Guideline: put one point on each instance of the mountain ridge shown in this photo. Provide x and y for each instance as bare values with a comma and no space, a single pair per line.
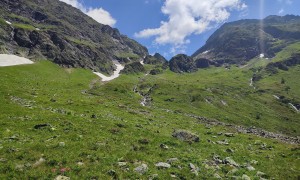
239,41
40,30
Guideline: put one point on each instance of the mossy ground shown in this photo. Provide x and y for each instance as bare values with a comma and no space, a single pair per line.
101,124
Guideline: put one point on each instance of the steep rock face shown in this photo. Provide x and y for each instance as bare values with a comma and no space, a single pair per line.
238,42
134,67
155,59
182,63
53,30
203,63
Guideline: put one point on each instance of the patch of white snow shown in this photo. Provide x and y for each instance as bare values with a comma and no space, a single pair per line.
205,52
8,22
12,60
276,97
294,107
261,55
115,74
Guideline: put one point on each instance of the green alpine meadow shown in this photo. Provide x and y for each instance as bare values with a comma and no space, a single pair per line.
83,101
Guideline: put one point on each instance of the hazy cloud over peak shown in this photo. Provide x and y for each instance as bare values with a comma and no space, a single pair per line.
98,14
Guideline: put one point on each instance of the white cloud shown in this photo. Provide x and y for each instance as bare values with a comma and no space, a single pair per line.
98,14
187,17
101,16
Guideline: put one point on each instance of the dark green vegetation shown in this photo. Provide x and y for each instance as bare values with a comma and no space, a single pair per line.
40,30
57,121
240,41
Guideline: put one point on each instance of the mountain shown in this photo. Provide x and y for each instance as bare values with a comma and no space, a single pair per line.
53,30
240,41
237,122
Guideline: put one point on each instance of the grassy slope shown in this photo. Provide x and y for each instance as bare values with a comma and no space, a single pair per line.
104,126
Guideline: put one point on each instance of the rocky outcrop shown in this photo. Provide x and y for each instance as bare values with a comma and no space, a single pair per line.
182,63
131,68
155,59
53,30
185,136
285,64
203,63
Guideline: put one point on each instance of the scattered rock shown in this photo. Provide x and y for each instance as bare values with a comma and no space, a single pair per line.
173,176
230,150
142,169
20,167
229,134
254,162
39,162
144,141
194,169
112,173
162,165
171,160
185,136
80,164
217,159
122,164
62,144
223,142
217,176
192,166
250,168
261,174
163,146
153,176
60,177
234,170
230,161
3,160
40,126
245,177
94,116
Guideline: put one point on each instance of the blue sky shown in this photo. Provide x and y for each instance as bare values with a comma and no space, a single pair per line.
170,27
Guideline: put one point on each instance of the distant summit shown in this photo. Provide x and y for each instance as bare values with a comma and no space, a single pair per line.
238,42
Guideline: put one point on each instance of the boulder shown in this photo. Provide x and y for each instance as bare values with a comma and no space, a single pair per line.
163,165
182,63
185,136
142,169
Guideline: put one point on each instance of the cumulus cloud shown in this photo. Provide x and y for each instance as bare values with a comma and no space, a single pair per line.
98,14
187,17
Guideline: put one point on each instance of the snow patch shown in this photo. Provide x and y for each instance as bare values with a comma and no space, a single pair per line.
261,55
251,82
205,52
115,74
8,22
276,97
294,107
12,60
142,62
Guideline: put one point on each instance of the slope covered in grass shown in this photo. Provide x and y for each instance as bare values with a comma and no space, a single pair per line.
57,121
